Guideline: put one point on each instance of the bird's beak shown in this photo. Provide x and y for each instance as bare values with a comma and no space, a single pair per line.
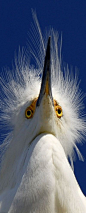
46,78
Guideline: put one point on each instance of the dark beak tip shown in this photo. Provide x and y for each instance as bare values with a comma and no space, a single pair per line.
46,78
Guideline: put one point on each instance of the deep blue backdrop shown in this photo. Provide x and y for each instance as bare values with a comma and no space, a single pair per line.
67,17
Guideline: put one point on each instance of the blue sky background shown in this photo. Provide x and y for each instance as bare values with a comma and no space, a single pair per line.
67,17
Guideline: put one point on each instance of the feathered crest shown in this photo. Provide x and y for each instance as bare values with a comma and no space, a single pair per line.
24,81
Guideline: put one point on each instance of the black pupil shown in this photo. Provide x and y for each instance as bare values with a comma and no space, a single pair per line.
28,112
59,111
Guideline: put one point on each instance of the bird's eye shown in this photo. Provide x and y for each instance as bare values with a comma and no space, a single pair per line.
29,112
58,110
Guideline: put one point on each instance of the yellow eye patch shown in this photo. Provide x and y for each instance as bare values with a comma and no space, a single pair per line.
29,112
58,109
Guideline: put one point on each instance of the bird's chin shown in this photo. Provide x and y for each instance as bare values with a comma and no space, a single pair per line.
41,134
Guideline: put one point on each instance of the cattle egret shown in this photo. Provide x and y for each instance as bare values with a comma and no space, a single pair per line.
41,108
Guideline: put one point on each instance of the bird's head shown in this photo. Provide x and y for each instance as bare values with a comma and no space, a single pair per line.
52,105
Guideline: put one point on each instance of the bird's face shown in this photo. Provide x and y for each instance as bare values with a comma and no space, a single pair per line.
44,118
44,113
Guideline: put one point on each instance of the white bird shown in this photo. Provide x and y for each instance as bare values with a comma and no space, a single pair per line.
44,122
